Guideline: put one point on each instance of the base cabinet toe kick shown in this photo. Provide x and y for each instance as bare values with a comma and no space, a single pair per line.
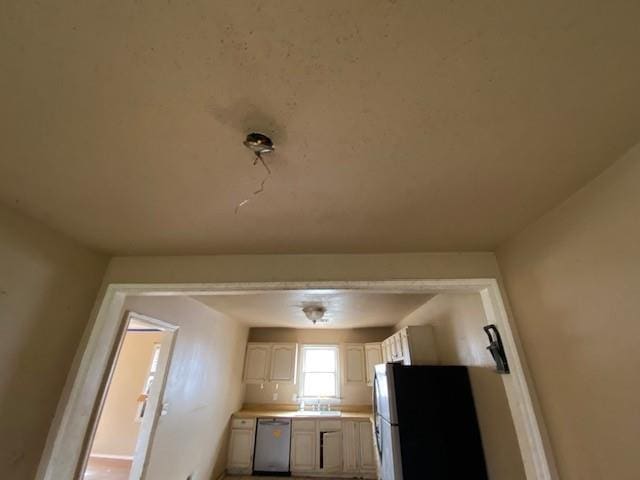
318,447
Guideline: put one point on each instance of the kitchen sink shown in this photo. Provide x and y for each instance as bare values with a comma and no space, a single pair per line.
318,413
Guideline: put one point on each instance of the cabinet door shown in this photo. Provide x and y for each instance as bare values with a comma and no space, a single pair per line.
397,346
404,342
355,370
240,450
373,356
393,352
283,362
331,451
350,446
386,351
367,458
256,362
303,451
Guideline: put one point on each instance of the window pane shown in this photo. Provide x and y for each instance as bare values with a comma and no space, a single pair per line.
156,357
317,360
319,385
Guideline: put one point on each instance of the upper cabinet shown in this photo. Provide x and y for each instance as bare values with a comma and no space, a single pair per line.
413,345
256,363
270,362
283,362
355,363
373,356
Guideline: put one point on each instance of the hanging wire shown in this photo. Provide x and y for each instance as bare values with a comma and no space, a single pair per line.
259,190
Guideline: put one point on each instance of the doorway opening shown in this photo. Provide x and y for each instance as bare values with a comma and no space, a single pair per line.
73,421
127,413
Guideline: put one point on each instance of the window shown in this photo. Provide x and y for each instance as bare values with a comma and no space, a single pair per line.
319,371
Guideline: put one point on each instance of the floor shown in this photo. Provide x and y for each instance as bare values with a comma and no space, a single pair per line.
107,469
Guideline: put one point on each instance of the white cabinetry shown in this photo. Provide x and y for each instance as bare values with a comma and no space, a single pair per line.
256,363
267,362
411,346
240,457
373,356
354,364
283,362
358,447
303,451
331,452
350,446
366,450
332,448
386,351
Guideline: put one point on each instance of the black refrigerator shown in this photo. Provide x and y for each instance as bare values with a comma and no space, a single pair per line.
426,425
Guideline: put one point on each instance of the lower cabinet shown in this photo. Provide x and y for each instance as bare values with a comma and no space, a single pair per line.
359,455
241,442
320,447
326,447
366,447
330,452
303,451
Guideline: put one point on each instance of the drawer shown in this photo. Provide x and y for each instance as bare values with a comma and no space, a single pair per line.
304,425
243,423
329,425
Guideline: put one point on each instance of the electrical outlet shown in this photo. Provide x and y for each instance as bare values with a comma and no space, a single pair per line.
275,395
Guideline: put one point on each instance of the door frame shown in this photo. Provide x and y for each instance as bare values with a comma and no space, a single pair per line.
69,428
152,411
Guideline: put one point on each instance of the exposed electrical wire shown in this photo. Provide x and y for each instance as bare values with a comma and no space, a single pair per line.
259,144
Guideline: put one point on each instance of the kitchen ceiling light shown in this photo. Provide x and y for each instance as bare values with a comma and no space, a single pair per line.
314,313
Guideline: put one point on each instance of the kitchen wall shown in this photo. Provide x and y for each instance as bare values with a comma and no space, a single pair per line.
203,389
457,321
573,279
351,394
48,284
118,429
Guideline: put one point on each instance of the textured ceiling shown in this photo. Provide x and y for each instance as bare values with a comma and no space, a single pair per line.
399,125
343,309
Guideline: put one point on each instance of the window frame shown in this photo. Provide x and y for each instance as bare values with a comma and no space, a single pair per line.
301,372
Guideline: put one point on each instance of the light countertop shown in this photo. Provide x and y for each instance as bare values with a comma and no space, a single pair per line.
294,414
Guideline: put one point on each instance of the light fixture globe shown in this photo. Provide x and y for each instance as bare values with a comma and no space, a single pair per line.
314,312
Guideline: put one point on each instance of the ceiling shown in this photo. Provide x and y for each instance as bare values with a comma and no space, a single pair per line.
343,309
399,125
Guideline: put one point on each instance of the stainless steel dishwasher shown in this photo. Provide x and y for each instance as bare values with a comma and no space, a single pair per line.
273,441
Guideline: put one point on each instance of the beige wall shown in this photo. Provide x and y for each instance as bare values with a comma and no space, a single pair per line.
203,389
48,284
351,394
457,321
278,268
118,429
573,279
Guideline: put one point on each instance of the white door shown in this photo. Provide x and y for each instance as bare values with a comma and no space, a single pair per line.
283,363
404,343
303,451
240,449
393,347
373,356
331,451
397,346
386,351
256,363
355,366
350,444
365,434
